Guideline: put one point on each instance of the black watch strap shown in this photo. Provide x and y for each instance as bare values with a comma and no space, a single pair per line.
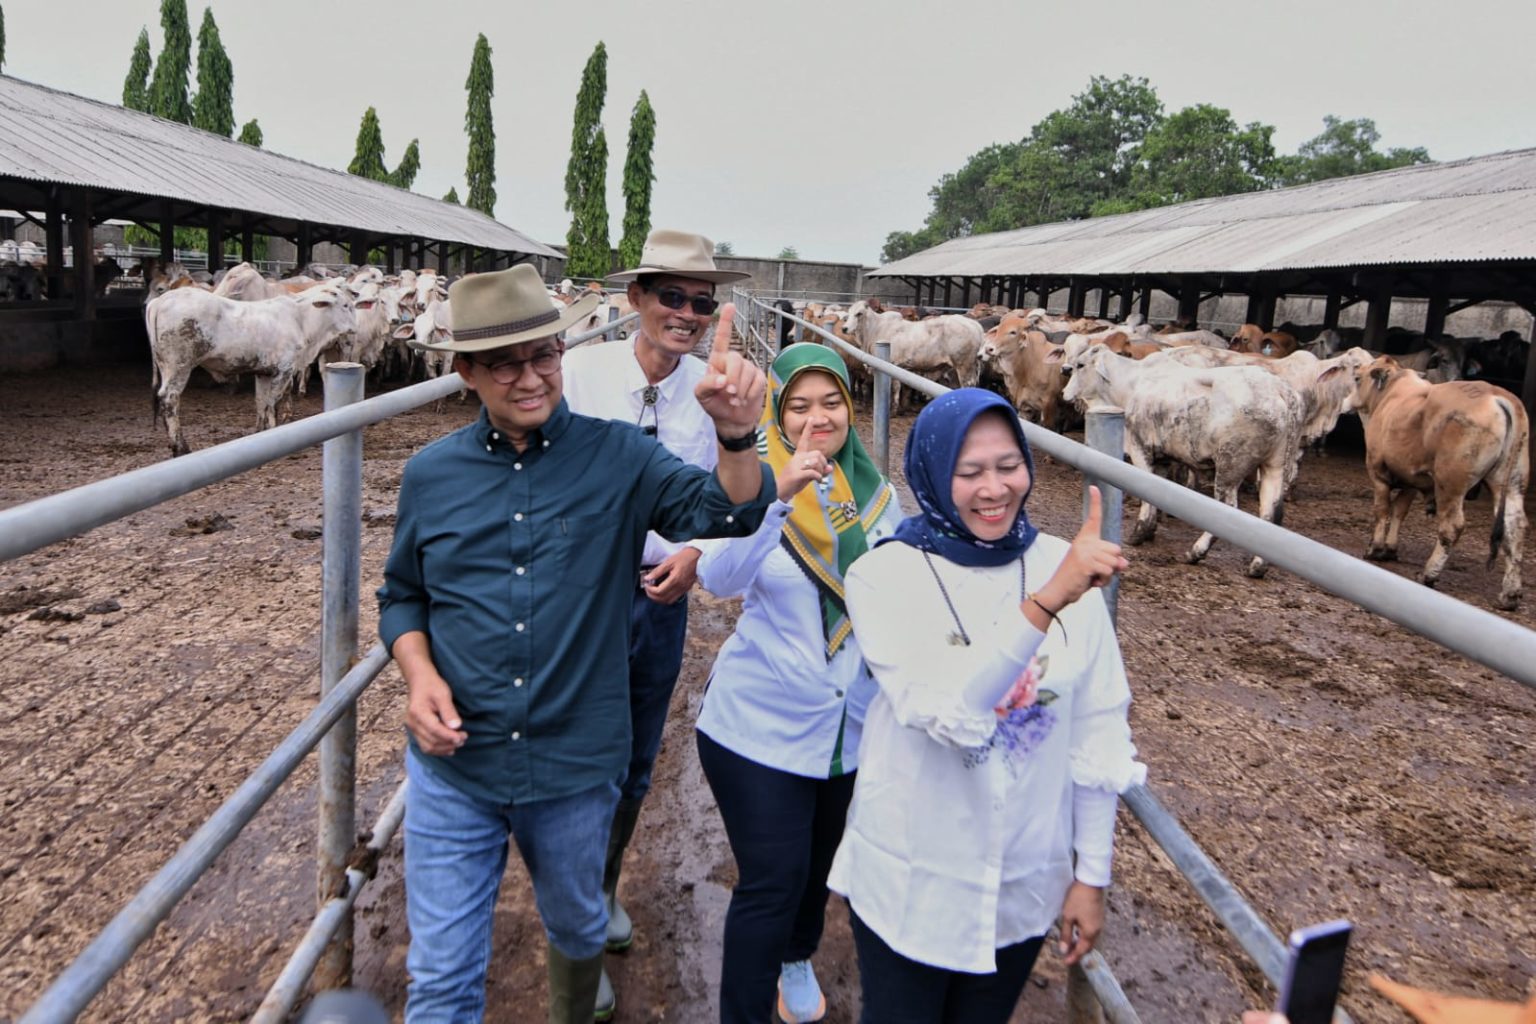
737,444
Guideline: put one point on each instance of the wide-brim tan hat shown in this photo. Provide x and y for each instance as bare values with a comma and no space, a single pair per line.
679,254
506,307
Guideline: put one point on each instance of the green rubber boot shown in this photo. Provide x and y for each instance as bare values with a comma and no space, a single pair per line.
573,988
621,930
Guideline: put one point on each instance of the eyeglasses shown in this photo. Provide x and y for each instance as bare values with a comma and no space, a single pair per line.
545,363
676,298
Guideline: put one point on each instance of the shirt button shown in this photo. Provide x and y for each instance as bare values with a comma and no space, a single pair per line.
730,519
521,570
519,627
546,444
517,516
495,436
839,693
518,681
517,735
517,465
490,448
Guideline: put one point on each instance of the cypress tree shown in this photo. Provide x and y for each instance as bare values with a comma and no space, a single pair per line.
168,90
452,196
368,158
250,134
587,252
638,175
410,163
214,108
136,85
480,173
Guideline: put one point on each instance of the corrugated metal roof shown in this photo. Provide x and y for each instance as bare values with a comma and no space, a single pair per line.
1481,209
58,137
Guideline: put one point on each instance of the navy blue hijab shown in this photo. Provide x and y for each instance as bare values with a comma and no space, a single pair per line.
933,448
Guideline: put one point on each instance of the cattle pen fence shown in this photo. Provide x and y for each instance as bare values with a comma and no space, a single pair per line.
344,869
344,866
1479,635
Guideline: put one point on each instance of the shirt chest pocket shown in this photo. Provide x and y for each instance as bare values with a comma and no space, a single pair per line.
583,548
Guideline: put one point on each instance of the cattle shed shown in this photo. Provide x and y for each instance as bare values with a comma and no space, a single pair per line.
77,162
1451,234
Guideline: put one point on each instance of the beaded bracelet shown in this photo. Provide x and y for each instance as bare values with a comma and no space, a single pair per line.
1052,615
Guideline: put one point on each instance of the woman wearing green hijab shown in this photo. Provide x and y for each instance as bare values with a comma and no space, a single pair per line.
779,731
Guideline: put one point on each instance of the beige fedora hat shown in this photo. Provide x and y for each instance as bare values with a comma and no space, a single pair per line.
680,254
504,308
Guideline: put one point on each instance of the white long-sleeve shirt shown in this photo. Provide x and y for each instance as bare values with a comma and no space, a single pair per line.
963,827
773,697
604,379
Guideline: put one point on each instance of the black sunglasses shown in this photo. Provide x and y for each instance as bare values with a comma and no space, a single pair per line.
676,298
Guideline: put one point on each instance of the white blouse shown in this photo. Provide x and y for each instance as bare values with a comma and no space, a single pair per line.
964,826
773,697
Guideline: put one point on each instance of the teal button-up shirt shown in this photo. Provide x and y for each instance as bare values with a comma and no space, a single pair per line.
520,568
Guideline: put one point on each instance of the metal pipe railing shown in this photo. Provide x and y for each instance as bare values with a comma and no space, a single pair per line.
286,991
89,973
340,575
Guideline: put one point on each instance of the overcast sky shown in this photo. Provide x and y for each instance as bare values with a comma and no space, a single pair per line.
814,123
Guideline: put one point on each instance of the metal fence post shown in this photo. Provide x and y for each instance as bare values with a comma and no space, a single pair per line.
341,573
1105,432
882,396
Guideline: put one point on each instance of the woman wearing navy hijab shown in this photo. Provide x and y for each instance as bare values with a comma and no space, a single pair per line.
994,752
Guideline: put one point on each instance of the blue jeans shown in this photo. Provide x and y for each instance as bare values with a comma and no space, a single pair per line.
656,633
901,991
455,856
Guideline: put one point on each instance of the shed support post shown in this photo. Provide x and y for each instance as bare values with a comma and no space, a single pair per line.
1434,313
357,251
965,292
1104,301
1376,317
1331,307
247,243
80,240
305,247
1144,304
389,258
949,284
53,241
1077,298
215,242
341,573
1043,295
167,235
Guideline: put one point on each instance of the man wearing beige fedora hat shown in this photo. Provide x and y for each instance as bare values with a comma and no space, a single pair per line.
506,604
650,379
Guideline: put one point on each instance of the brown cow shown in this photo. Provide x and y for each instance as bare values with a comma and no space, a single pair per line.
1254,340
1444,439
1031,369
1121,344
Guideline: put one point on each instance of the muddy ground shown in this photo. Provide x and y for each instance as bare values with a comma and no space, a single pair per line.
1329,762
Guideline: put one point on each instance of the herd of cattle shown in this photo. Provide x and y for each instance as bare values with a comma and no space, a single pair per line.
240,322
1228,409
1246,407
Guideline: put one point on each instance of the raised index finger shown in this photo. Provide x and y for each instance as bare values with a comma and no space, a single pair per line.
722,346
804,444
1093,525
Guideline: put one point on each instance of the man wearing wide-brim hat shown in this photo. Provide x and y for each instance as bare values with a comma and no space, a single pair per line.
650,379
506,604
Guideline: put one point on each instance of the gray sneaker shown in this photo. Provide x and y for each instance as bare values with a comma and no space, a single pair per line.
800,998
606,1001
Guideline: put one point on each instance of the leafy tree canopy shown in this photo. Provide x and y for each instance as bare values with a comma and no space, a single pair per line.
410,163
368,154
250,134
480,172
214,108
136,85
639,174
168,89
722,249
789,252
452,196
1343,148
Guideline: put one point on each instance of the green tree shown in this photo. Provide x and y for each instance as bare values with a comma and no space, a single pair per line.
480,172
639,173
1343,148
136,85
368,154
1194,154
586,175
214,108
168,89
410,163
250,134
789,252
721,249
452,196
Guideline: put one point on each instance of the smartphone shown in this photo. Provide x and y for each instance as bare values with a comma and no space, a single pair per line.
1313,973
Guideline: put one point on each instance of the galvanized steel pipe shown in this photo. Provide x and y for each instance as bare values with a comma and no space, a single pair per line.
45,521
341,574
881,392
1104,432
286,991
73,990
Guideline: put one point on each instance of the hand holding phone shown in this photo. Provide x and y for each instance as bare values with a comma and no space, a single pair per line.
1313,973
